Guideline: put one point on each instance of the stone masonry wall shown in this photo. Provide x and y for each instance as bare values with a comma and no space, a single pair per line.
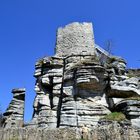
75,38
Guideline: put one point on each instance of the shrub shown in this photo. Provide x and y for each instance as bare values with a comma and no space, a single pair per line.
115,116
40,62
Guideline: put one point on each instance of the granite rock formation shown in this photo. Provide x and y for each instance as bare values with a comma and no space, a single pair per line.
78,87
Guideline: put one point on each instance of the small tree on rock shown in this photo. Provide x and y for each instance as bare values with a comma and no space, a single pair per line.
109,46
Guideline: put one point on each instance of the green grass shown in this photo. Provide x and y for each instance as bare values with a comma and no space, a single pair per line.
130,75
134,98
115,116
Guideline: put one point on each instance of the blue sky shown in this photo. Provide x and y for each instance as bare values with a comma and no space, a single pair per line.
28,32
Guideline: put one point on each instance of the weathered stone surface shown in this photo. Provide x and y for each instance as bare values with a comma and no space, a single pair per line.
125,88
76,39
39,134
48,88
131,108
77,85
14,115
105,130
83,92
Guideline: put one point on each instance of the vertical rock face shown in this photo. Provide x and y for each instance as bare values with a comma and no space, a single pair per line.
14,115
83,92
82,83
71,86
49,75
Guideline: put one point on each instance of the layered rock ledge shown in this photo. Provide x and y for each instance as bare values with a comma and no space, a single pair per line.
14,115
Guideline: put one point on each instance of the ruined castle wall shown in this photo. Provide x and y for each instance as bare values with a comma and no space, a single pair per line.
75,38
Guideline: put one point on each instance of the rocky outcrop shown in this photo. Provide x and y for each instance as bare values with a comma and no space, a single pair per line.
71,85
80,84
49,74
83,92
14,115
75,89
131,108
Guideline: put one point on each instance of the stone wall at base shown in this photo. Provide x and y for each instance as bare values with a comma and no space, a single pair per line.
105,130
